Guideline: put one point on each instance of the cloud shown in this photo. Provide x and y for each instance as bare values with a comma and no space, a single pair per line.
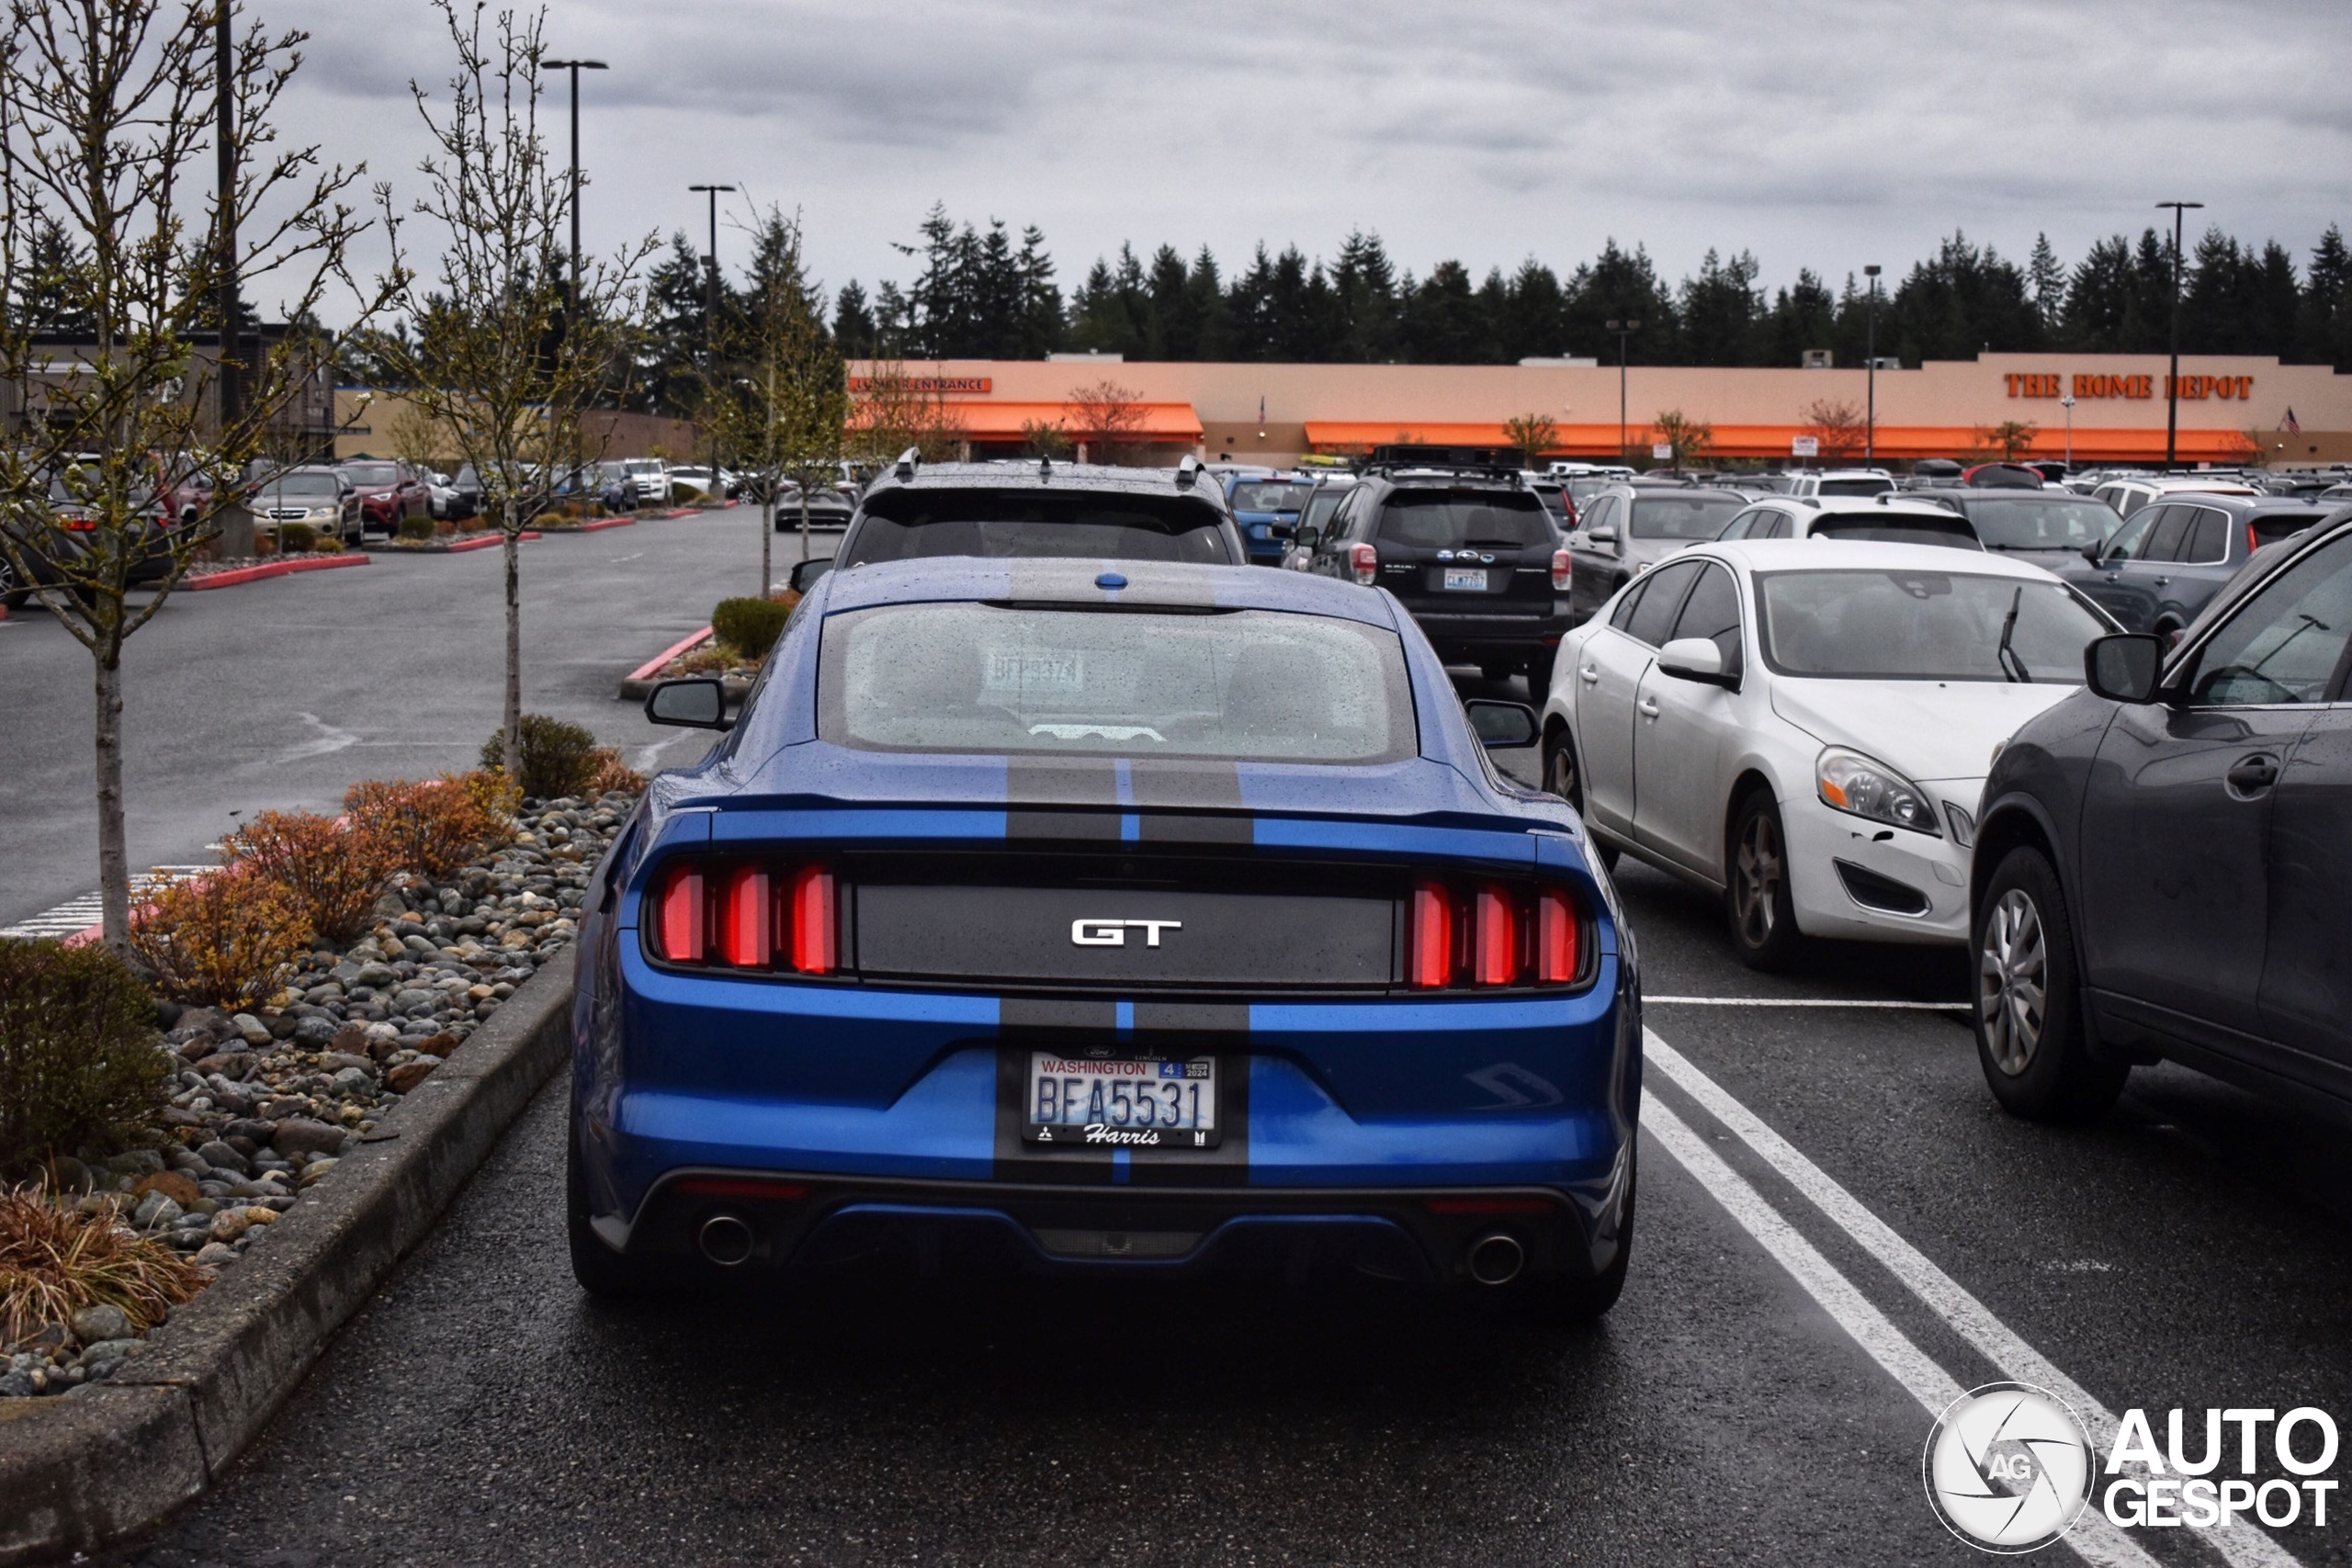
1814,132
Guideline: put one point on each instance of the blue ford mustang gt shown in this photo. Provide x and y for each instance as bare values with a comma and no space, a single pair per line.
1124,917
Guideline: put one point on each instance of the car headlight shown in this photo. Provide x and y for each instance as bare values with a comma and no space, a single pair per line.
1852,783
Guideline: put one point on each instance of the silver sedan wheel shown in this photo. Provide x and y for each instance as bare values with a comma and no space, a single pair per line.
2013,981
1756,880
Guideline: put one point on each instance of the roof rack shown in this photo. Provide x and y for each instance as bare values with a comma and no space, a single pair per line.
1483,462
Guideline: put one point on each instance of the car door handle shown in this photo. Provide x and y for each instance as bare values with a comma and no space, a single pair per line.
1589,675
2162,581
2252,775
1649,706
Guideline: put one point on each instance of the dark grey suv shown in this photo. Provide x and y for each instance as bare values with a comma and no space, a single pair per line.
2161,859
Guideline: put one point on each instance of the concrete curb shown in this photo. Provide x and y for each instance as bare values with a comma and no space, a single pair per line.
271,569
89,1468
479,541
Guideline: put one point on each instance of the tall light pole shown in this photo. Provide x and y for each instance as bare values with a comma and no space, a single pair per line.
710,329
575,67
2172,380
2068,402
1870,362
1624,330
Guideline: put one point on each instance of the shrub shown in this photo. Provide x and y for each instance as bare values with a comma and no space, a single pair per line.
557,757
224,940
295,538
434,826
265,545
417,527
332,876
55,1261
328,545
611,772
78,1059
750,627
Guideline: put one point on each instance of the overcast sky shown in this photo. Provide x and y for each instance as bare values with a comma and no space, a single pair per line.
1814,133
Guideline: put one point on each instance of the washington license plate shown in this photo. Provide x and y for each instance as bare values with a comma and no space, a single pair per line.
1475,579
1132,1103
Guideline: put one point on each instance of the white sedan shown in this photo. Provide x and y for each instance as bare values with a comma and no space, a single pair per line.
1806,725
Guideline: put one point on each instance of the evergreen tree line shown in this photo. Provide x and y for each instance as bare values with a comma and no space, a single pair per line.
980,294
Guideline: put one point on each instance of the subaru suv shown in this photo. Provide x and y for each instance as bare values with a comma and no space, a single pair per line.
1458,537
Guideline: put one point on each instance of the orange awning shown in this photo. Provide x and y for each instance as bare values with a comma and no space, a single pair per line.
1894,441
1156,424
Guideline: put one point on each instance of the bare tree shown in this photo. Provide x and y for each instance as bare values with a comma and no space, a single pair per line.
120,468
1105,419
893,407
1686,439
1533,435
1837,425
504,355
780,413
2007,441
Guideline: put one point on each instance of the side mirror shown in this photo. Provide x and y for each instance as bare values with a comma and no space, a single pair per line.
1500,726
1604,534
2090,554
1307,538
1695,658
2124,667
805,574
691,705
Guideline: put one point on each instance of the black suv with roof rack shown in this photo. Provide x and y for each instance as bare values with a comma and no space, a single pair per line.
1455,534
1037,508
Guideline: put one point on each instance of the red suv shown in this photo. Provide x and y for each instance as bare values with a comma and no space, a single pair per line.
389,492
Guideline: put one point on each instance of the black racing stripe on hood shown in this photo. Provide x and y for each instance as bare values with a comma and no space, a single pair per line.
1185,803
1040,796
1191,1019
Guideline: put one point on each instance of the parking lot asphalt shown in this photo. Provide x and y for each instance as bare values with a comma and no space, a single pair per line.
1836,1229
284,693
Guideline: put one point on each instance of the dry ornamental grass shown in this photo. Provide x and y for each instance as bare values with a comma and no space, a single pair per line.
54,1262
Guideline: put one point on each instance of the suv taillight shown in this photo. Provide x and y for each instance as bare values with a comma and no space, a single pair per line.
1493,935
1562,570
747,914
1365,561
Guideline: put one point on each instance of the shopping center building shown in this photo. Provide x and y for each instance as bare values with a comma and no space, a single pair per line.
2103,409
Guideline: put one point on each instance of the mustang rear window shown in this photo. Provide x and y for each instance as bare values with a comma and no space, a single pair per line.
920,523
1240,685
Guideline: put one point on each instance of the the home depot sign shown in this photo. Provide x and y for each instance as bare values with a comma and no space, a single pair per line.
2193,389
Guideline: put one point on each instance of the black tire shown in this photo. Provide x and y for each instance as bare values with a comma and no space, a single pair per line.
1756,903
1561,778
1492,671
2028,1018
601,1271
1539,676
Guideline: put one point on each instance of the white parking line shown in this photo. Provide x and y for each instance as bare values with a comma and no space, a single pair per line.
2093,1539
1802,1002
78,915
2242,1544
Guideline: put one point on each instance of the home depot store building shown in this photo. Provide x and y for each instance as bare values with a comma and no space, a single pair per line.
1275,413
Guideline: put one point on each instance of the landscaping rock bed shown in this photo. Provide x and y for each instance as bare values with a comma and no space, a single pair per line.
269,1101
443,544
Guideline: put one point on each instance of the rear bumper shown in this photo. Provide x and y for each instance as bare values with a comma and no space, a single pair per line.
1456,635
1420,1235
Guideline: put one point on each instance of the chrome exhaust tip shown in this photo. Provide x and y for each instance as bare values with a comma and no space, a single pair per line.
1495,1258
725,1240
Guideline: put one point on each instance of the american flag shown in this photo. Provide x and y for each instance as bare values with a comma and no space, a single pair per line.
2290,426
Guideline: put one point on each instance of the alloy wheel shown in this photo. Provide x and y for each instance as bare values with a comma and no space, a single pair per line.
2012,981
1560,774
1756,883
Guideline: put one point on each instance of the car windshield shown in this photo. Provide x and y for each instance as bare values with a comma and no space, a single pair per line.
1441,522
1279,495
1857,487
1922,626
1698,515
642,464
371,473
304,486
1321,505
911,523
1898,530
1253,684
2030,522
1583,490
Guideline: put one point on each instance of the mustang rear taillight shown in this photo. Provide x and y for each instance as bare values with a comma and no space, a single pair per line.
748,915
1563,569
1493,935
1365,561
